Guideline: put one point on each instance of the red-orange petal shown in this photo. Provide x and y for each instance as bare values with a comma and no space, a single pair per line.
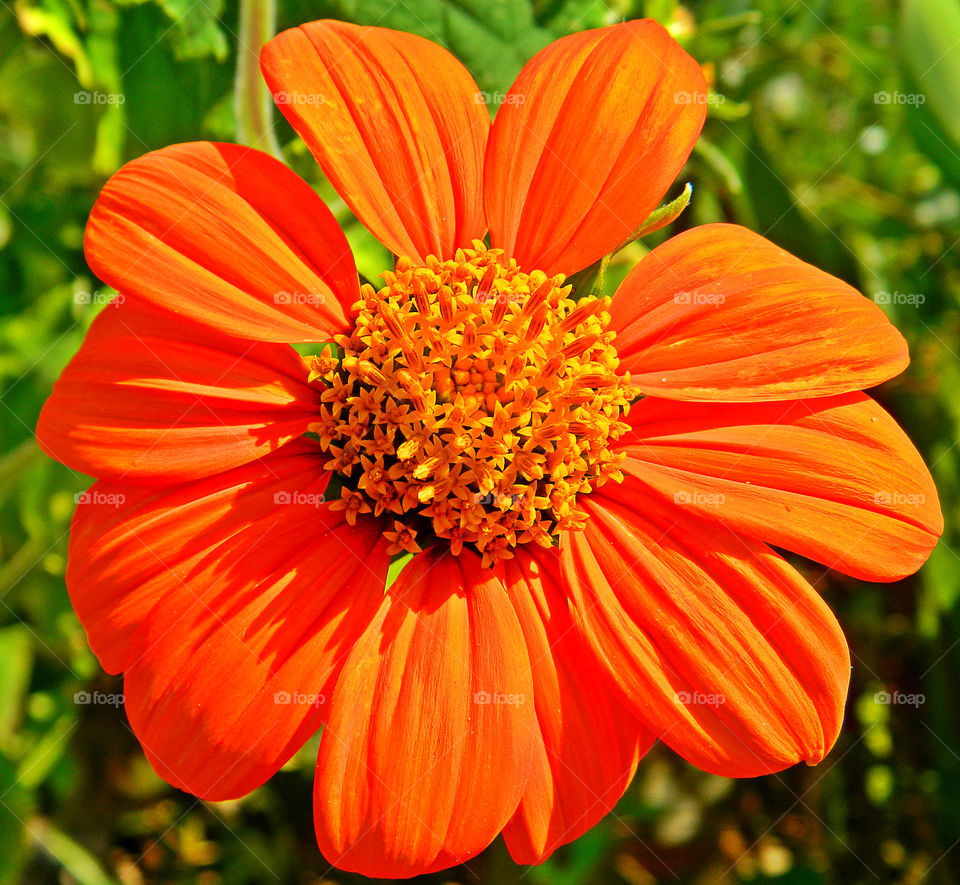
587,744
225,236
720,313
395,123
150,398
230,630
834,479
428,746
727,654
588,140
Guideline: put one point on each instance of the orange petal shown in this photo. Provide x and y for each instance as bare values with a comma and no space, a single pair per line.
590,137
394,122
834,479
231,631
149,398
720,313
427,749
727,654
225,236
587,744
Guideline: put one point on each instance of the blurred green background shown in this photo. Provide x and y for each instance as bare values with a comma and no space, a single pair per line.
834,130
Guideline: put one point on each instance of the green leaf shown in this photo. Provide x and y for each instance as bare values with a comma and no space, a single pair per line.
590,280
168,99
15,462
720,163
930,37
15,810
493,40
396,566
76,860
46,753
661,10
566,16
102,48
16,653
55,21
196,32
659,218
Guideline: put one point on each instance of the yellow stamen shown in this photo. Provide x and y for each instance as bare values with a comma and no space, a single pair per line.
473,403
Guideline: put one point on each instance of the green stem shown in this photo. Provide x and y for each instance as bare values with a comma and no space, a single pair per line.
76,860
252,102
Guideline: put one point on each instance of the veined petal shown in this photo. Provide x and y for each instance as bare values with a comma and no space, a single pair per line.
396,125
151,398
726,653
720,313
230,604
225,236
428,746
587,743
590,137
834,479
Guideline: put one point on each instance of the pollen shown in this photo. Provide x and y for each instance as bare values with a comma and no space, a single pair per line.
472,403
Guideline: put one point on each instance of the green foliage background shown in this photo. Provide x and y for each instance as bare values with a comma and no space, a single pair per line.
801,147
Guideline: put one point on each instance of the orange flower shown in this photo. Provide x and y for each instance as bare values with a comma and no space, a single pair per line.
593,484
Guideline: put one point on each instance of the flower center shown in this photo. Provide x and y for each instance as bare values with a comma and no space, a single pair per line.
472,402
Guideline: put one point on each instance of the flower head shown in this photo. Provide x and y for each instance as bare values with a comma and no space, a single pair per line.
514,402
585,488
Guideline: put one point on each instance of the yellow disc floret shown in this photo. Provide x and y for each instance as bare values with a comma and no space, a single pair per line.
473,402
